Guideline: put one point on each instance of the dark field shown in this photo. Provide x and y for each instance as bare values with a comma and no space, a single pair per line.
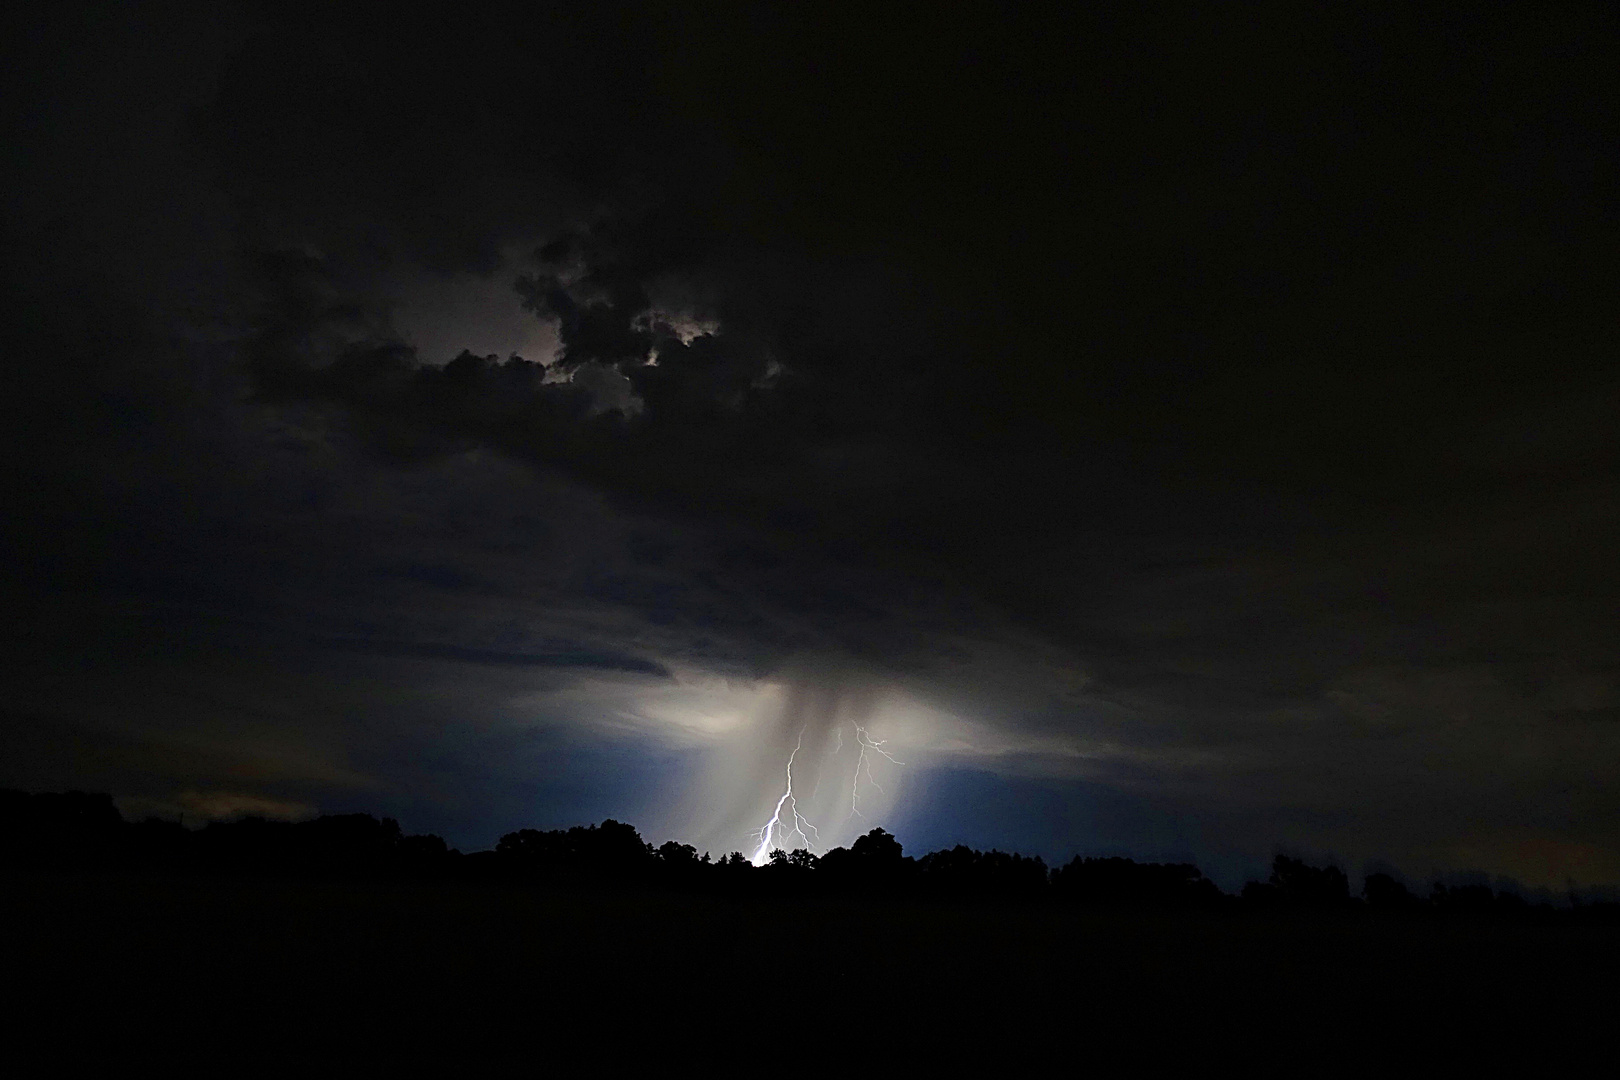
251,972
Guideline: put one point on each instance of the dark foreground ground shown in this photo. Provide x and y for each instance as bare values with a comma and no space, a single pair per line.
245,974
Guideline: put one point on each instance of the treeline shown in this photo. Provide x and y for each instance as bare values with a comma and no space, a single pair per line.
75,831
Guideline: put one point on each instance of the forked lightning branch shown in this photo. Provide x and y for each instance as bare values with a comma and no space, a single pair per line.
787,825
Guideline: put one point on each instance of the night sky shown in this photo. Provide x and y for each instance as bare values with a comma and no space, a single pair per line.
1181,431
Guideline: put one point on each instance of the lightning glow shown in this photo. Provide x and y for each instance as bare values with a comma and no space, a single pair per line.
779,829
775,827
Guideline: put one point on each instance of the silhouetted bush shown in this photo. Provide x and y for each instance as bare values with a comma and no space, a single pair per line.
1478,900
1295,884
874,861
1117,882
611,850
1383,893
964,871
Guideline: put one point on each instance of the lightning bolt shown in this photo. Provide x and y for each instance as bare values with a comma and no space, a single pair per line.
776,827
776,832
869,746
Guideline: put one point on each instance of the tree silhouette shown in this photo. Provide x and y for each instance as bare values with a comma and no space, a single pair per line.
1294,883
74,830
1117,882
1383,893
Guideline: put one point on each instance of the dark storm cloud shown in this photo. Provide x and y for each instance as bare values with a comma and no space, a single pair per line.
1224,397
1188,307
563,658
